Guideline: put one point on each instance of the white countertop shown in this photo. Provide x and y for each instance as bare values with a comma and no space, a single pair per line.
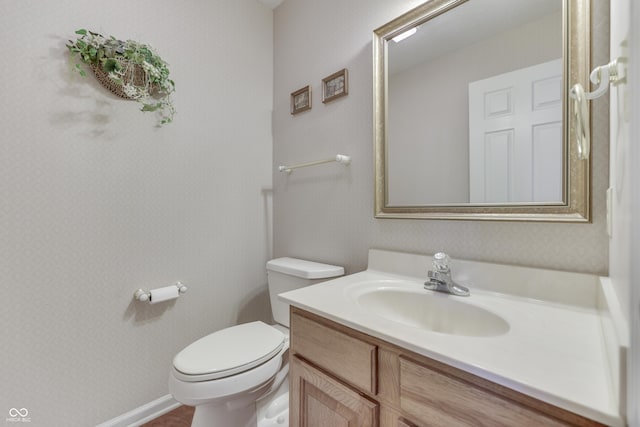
553,351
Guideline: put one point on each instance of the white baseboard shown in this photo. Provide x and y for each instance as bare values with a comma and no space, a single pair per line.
144,413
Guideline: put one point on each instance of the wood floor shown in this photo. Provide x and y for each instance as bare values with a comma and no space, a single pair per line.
179,417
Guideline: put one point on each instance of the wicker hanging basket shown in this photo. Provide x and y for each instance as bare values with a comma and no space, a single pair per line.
128,69
135,75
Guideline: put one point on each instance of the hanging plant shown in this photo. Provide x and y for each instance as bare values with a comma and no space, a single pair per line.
129,69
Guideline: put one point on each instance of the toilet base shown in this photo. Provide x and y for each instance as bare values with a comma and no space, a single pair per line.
269,411
273,410
220,416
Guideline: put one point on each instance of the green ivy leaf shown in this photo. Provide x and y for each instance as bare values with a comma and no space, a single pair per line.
82,32
151,107
80,70
111,65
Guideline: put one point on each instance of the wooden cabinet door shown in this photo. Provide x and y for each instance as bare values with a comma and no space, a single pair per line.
318,400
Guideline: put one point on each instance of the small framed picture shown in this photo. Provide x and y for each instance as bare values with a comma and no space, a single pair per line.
301,100
335,86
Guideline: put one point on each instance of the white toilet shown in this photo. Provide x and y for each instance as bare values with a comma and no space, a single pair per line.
237,377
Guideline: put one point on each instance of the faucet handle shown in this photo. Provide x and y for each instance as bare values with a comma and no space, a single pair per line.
441,262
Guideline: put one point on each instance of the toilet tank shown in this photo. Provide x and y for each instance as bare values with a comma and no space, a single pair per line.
286,274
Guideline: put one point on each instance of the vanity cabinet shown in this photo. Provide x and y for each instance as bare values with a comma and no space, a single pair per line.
341,377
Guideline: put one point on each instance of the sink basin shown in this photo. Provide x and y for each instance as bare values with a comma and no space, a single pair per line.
410,305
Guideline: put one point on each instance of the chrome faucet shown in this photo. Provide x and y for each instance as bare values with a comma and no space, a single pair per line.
440,277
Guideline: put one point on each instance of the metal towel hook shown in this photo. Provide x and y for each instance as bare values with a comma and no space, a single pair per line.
601,76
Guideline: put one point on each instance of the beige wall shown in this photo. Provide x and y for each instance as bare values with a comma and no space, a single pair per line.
326,213
96,202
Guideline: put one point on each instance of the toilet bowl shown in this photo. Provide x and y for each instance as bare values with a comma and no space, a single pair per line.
239,374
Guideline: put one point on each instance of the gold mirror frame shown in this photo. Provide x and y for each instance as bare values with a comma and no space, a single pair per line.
576,204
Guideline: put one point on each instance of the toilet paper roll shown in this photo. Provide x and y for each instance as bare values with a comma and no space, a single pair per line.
164,294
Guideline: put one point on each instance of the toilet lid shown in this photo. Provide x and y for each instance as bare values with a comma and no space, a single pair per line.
229,351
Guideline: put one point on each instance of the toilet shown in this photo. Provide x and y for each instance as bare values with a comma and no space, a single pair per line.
237,377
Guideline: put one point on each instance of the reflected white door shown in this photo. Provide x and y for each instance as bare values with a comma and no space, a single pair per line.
515,136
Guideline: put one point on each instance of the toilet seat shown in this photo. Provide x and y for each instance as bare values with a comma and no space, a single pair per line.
228,352
249,383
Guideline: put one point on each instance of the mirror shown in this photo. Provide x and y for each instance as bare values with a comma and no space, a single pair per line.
471,104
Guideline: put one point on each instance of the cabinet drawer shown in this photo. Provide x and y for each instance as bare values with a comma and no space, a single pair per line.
439,399
346,357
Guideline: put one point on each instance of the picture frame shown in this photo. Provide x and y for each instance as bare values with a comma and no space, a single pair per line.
301,100
335,86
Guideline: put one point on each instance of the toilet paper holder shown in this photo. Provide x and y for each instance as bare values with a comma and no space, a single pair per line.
143,295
